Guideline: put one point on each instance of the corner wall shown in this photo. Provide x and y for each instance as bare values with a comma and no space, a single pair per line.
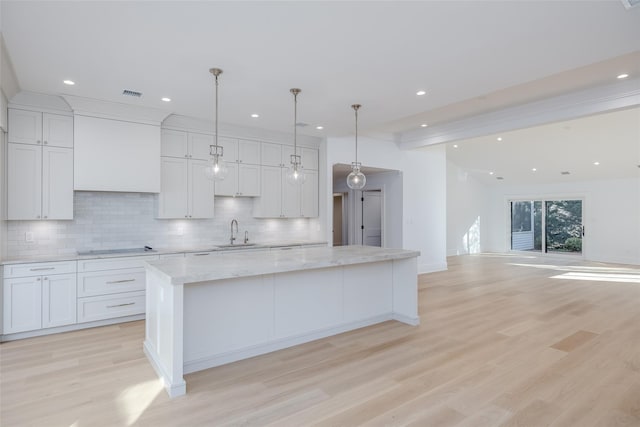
423,193
467,213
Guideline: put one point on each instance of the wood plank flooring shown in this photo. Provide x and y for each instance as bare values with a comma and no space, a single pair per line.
504,341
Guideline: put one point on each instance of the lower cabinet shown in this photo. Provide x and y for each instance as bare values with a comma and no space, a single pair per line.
37,302
109,288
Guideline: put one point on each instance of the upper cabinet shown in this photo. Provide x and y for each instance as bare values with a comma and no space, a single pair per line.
37,128
280,155
116,155
240,150
39,166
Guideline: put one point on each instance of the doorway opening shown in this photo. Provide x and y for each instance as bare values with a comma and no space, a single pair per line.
547,226
371,218
339,212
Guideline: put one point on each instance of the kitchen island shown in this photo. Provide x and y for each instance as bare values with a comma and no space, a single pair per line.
207,312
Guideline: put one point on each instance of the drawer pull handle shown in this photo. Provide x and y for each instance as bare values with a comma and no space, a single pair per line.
42,269
121,305
121,281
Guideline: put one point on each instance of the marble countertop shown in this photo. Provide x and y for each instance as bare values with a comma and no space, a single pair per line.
161,251
198,269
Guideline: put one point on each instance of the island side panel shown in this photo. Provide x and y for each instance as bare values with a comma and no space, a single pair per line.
224,317
368,291
164,331
405,291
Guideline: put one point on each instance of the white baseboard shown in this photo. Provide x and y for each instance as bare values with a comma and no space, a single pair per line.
413,321
431,268
68,328
173,389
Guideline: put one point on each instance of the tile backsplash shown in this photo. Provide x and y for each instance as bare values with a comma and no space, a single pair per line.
127,220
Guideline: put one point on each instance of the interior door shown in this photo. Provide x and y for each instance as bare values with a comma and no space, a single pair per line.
371,218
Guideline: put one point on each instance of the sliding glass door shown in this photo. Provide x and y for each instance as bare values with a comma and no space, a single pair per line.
548,226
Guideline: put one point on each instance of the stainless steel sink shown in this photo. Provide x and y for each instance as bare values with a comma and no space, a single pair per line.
236,246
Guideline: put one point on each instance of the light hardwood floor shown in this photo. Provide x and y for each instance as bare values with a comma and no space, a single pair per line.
504,340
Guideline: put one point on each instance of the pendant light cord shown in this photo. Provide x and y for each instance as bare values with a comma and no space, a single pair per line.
216,76
356,135
295,120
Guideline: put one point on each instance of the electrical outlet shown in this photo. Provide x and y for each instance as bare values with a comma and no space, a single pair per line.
28,236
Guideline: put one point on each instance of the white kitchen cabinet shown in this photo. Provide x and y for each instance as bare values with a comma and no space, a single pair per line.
240,150
22,304
39,295
58,300
40,182
241,180
269,204
280,155
279,199
185,190
290,197
110,288
174,143
199,146
37,128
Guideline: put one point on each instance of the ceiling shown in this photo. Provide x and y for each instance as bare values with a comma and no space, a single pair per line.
469,56
611,139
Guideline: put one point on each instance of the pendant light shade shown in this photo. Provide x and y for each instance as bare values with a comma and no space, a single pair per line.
295,173
356,179
216,169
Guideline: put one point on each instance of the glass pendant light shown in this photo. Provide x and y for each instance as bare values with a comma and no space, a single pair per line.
216,169
295,173
356,179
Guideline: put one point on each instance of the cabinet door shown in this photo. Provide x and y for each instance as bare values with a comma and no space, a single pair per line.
22,304
290,198
173,199
229,185
271,154
57,183
199,145
309,158
287,152
24,181
249,180
25,127
249,152
230,147
58,300
57,130
173,143
200,190
269,204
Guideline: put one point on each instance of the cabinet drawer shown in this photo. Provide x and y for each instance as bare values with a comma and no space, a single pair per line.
110,282
39,269
110,306
114,263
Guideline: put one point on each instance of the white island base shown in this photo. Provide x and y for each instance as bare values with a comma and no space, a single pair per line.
200,316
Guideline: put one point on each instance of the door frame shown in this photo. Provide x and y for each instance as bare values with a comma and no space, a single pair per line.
357,216
543,199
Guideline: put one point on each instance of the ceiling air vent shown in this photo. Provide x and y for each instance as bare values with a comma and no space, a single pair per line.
630,3
565,173
302,125
128,92
499,178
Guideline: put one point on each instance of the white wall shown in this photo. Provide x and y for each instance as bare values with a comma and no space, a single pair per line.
423,192
467,212
611,214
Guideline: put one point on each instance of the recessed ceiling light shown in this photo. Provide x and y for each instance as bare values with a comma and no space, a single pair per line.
424,125
623,76
165,99
455,145
319,127
596,163
255,116
69,82
421,92
491,173
499,138
534,169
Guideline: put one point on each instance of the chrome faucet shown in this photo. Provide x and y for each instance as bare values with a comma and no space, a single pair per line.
233,238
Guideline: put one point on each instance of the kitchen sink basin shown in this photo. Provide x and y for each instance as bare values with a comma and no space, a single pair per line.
237,246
